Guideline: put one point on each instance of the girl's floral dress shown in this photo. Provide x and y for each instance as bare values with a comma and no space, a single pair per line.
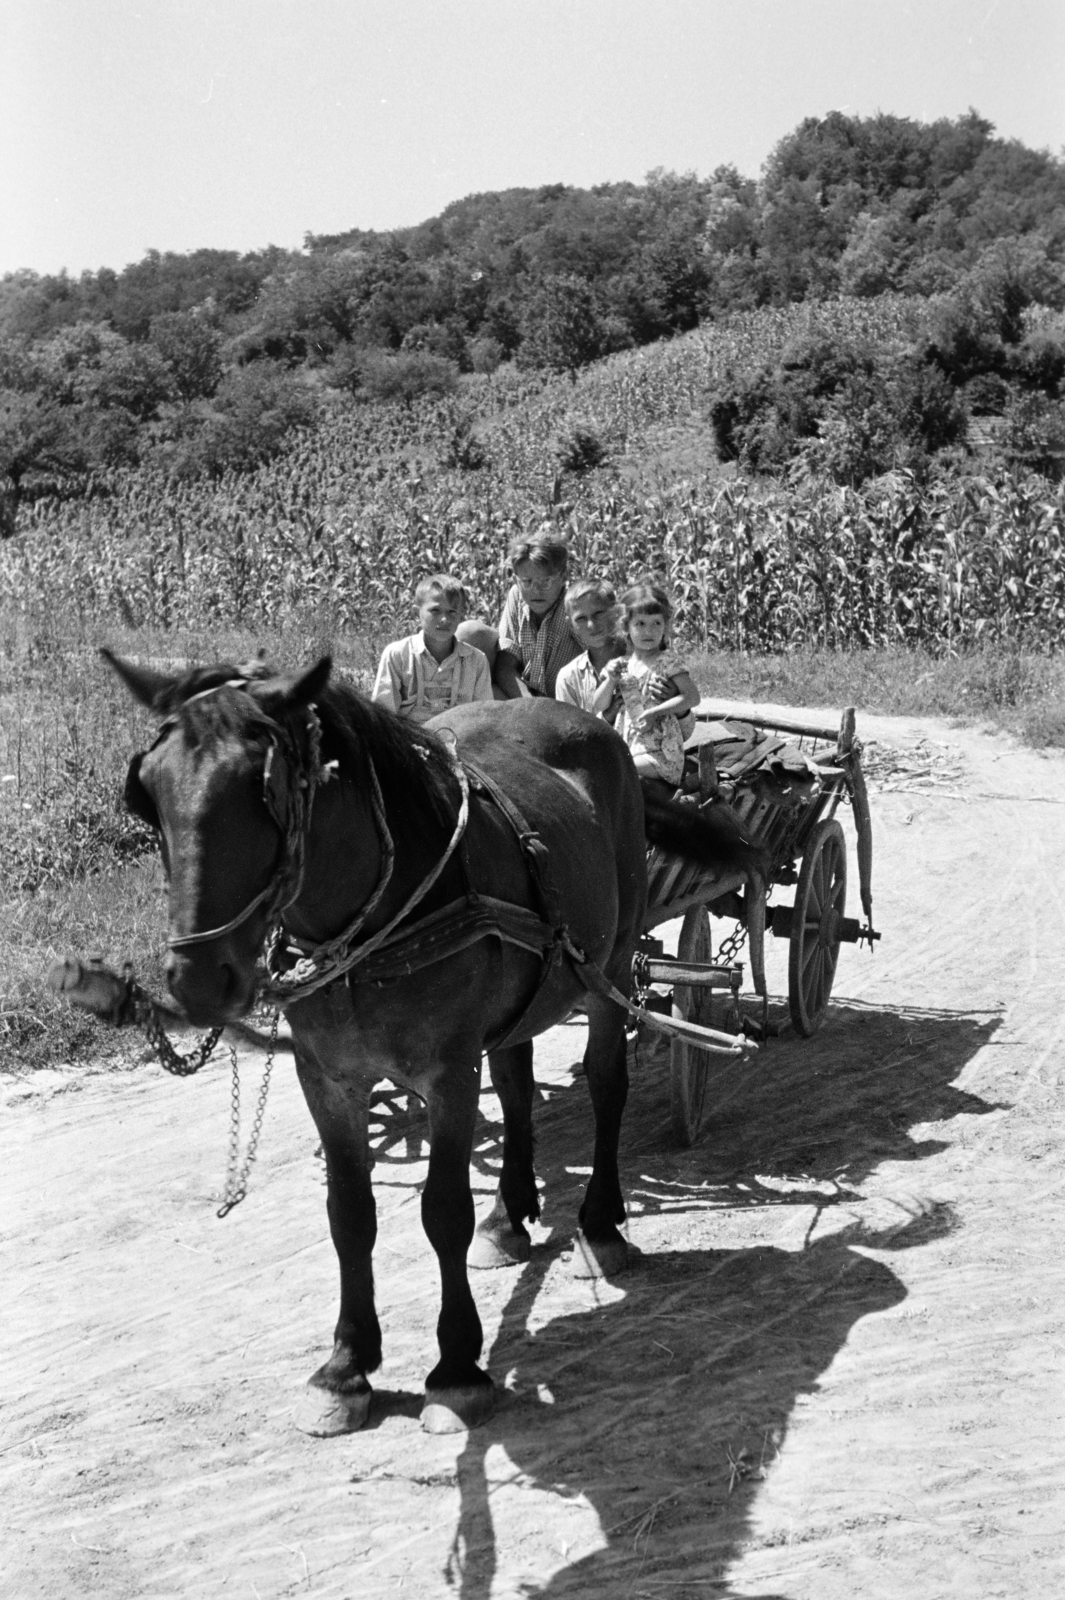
663,740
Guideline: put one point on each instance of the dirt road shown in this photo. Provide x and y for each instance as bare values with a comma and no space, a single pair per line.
837,1368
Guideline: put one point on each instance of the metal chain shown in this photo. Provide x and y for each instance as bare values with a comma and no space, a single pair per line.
730,948
237,1180
171,1060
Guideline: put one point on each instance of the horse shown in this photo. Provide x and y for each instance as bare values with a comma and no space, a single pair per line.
424,895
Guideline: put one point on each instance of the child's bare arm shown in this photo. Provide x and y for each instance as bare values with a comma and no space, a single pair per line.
608,688
685,698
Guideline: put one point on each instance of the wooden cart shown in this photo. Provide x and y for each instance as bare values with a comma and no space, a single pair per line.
788,805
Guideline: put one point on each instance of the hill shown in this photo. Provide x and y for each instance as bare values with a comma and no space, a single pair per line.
205,362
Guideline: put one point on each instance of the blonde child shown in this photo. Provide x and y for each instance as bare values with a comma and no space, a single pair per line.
430,671
592,608
655,686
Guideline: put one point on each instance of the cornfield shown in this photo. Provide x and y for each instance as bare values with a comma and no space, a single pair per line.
339,528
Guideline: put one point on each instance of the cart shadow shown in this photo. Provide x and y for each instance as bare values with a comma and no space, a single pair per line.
664,1409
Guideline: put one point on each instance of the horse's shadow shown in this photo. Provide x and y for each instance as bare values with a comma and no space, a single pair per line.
665,1408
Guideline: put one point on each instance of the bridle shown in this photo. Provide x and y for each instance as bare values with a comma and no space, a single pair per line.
292,817
291,806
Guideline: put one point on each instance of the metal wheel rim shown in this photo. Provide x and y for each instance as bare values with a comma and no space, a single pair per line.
820,901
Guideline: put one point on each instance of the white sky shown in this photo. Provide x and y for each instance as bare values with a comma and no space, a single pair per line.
173,124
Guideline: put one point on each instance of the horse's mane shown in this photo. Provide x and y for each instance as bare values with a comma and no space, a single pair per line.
412,764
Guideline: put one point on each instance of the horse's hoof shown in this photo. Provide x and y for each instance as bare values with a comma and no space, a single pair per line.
499,1247
324,1413
455,1410
598,1258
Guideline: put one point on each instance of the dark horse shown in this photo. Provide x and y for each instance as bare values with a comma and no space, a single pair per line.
291,802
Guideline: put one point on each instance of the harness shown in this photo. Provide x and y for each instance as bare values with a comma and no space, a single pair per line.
294,969
395,951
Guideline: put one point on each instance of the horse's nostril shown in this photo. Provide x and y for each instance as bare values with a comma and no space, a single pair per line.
205,990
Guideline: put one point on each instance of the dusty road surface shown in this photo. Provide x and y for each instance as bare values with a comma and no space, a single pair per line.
837,1367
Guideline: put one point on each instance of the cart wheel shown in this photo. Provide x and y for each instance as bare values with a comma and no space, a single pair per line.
820,898
688,1065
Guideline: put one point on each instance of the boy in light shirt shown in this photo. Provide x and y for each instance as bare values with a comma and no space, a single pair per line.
431,671
592,608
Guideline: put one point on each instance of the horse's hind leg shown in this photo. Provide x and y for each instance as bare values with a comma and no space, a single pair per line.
458,1393
338,1396
502,1239
601,1248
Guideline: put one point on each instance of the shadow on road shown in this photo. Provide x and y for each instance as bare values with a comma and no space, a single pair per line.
665,1408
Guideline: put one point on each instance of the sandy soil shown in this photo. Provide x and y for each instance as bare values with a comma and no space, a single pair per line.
837,1368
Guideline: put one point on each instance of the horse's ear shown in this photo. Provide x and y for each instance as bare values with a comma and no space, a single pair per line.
288,692
136,797
151,688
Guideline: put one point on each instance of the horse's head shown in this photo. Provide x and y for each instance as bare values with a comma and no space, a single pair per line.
227,786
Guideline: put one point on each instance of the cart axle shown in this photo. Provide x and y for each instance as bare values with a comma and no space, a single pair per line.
848,930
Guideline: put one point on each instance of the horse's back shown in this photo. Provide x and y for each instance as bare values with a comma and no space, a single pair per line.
572,778
511,739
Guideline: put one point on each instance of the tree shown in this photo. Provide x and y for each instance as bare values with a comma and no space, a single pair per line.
561,326
191,350
387,377
36,435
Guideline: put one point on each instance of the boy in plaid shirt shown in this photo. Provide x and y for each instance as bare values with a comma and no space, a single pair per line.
534,638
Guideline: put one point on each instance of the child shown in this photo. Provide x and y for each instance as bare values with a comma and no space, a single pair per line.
432,670
655,685
533,639
592,608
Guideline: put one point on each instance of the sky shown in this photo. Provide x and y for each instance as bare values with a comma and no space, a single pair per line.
128,125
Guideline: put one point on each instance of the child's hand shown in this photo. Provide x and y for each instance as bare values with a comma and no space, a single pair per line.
659,689
616,667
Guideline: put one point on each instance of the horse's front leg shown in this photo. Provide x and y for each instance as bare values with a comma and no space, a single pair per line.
458,1393
502,1239
338,1394
601,1247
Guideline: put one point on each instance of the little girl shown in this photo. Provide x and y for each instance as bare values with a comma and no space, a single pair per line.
655,686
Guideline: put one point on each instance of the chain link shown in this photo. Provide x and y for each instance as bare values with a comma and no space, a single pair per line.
236,1174
171,1060
730,948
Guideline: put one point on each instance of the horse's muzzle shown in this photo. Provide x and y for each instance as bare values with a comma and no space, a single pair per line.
209,985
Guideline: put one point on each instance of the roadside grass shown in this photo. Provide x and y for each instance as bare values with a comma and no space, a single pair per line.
1019,691
118,914
78,877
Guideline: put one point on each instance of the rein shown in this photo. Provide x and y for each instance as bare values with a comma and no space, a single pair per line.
323,964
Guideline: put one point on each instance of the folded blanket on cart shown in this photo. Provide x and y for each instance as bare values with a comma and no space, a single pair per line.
741,750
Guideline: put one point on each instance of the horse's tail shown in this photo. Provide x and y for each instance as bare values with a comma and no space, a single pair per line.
711,835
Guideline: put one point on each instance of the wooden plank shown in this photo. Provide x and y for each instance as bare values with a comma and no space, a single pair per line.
764,717
704,895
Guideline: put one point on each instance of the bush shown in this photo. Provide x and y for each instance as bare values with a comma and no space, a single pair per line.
986,395
379,375
255,409
1033,435
579,448
463,450
963,341
485,353
1038,362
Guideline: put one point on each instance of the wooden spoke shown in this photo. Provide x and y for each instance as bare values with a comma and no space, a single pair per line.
820,899
688,1065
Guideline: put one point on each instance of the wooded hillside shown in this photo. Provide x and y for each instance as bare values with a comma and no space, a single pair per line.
204,362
